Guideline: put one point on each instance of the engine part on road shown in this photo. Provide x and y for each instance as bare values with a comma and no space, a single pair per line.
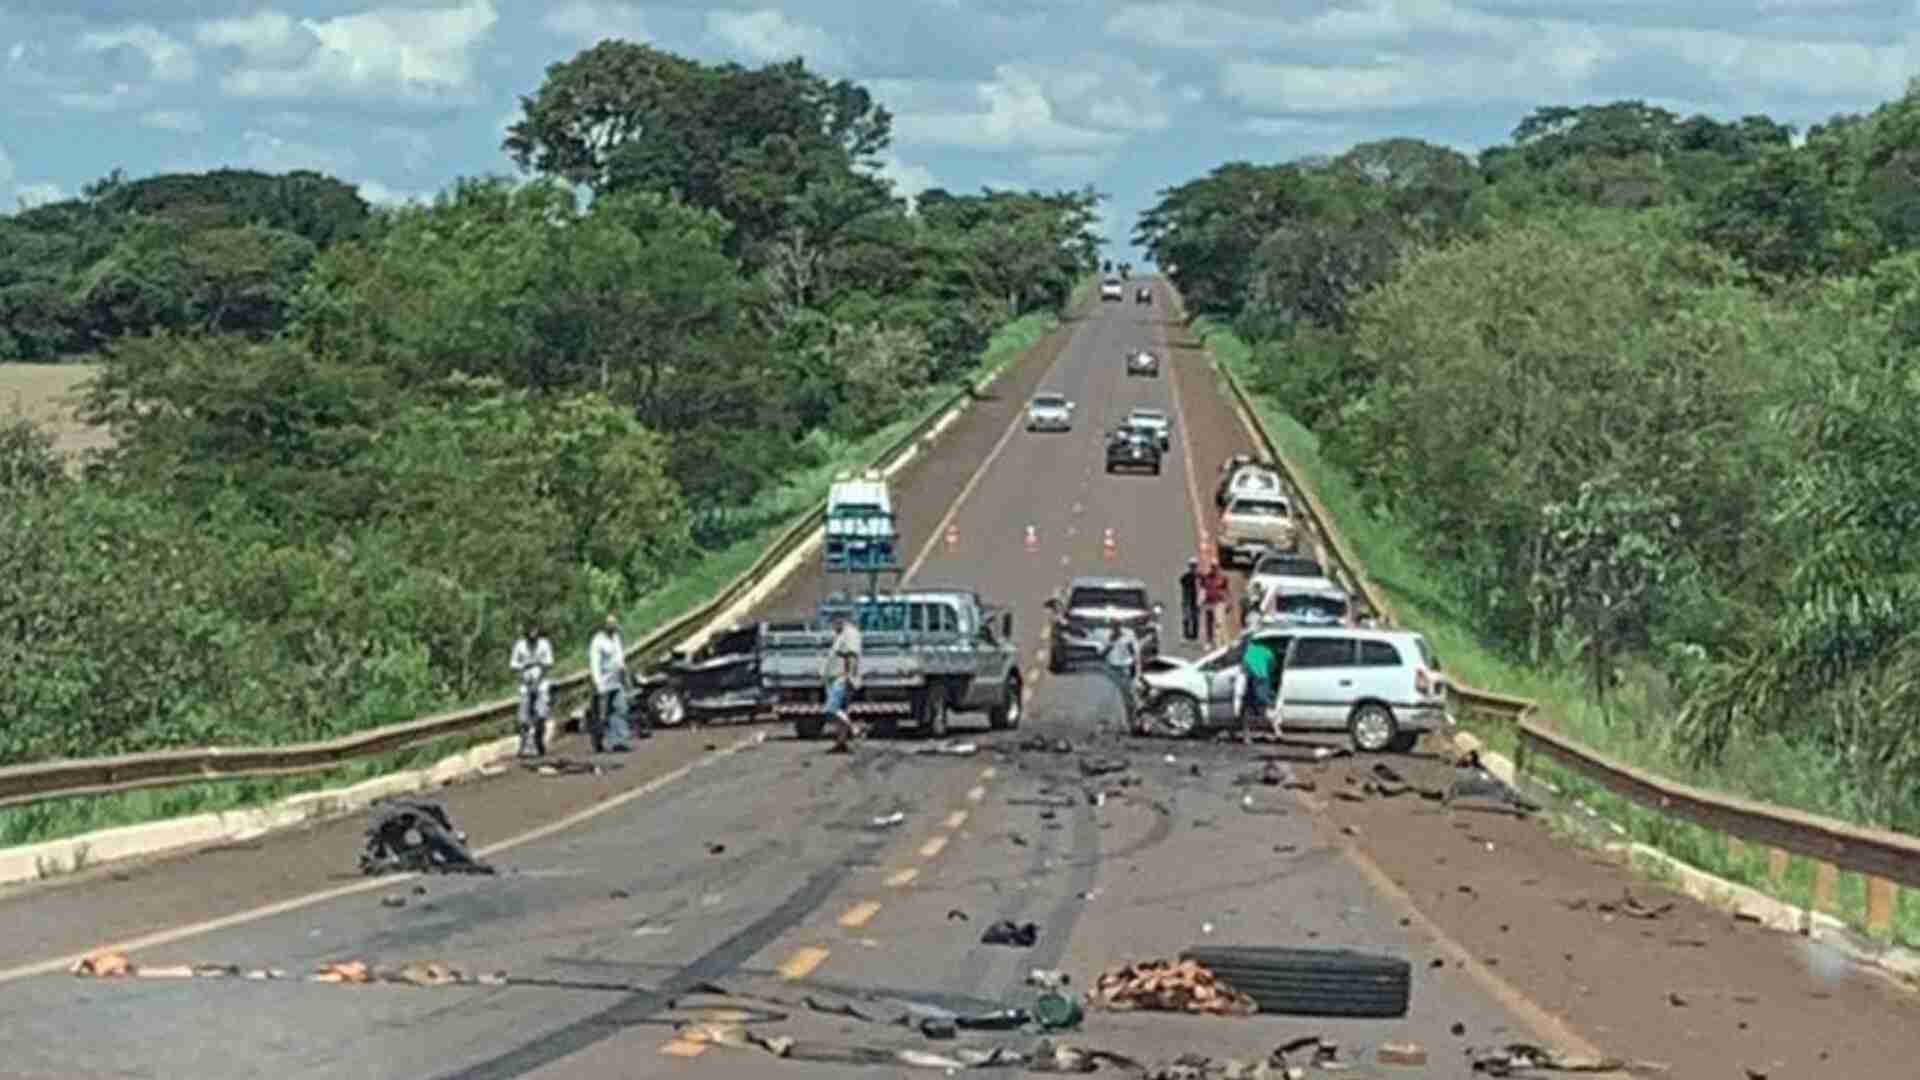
1007,932
1167,986
1519,1059
1312,982
409,836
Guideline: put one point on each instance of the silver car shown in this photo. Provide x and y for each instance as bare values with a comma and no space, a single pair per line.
1050,412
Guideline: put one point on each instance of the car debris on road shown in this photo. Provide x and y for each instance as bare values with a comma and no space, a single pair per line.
1518,1059
1168,986
413,836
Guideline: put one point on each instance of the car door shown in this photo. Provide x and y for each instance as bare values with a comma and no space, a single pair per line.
1220,671
1311,694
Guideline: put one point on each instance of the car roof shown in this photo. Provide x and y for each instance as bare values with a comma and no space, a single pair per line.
1106,583
1361,633
1147,410
1049,394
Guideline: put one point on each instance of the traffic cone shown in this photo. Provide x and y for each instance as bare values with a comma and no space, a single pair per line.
1033,539
953,537
1108,547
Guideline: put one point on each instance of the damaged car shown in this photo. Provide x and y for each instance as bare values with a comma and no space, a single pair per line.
720,679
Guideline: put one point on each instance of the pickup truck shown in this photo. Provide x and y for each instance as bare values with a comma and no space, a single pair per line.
1133,448
1254,525
925,655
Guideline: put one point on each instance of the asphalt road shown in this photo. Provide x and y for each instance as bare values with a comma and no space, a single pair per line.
759,868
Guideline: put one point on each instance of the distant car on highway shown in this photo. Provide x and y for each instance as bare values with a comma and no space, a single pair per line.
1143,295
1110,289
1050,412
1133,448
1154,420
1142,362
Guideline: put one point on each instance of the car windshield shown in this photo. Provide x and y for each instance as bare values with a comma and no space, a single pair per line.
1263,508
1297,606
1257,481
1148,416
1094,597
1288,566
1050,401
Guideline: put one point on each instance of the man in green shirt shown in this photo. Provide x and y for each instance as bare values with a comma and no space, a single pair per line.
1256,669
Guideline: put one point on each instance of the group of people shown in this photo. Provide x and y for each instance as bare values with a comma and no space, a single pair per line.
1204,595
608,726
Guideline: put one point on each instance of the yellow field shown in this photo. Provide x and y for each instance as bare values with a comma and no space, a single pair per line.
49,395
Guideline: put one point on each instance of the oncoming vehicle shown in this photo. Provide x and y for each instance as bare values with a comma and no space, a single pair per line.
1152,420
1143,295
859,527
1254,525
1110,289
1382,687
1133,448
1086,615
1142,362
1050,412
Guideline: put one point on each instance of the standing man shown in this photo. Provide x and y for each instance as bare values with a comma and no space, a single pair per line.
1123,667
1256,670
842,671
1215,588
532,659
1190,600
607,660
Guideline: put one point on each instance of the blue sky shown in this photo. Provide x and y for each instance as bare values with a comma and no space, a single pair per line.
402,96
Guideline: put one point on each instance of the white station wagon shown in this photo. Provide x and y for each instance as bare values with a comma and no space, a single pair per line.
1382,687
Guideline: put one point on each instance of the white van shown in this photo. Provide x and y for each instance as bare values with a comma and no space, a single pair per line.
860,533
1382,687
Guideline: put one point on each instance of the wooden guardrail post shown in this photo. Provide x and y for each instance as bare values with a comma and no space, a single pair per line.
1826,879
1881,896
1777,863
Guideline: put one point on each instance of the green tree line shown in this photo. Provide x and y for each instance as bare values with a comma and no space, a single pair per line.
357,448
1645,382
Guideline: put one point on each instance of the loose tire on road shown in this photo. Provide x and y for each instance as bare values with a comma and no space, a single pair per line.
1312,982
1006,717
1373,728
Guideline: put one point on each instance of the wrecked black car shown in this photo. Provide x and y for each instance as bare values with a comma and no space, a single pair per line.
719,679
411,836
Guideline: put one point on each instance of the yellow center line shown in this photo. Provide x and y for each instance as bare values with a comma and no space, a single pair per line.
956,819
976,794
933,847
904,877
802,962
858,914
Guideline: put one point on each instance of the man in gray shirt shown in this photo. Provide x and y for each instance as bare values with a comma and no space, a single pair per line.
1123,666
842,668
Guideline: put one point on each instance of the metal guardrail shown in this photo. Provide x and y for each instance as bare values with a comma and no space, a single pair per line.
1882,856
39,781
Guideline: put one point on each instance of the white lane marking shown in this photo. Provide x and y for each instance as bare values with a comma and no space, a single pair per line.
1193,481
386,881
926,550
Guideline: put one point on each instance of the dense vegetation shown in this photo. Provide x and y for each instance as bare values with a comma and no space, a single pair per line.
357,448
1646,383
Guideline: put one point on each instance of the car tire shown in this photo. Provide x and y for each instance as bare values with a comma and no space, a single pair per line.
1404,742
1006,716
1182,715
1373,728
667,706
1312,982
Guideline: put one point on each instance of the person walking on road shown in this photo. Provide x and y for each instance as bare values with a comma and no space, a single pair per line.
1216,589
607,722
842,672
1123,667
532,659
1190,600
1256,673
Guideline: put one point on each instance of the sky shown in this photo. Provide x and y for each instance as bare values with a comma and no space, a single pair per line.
403,96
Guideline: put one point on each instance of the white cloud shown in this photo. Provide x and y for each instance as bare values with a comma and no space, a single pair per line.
168,59
271,153
587,22
391,55
380,194
1078,167
185,121
769,37
1013,113
415,147
908,179
28,196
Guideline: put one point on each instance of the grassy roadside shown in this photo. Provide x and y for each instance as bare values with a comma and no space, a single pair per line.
775,509
1425,596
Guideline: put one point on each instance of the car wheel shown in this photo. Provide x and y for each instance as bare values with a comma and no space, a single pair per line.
934,712
1404,742
1006,716
668,706
1181,715
1373,728
1312,982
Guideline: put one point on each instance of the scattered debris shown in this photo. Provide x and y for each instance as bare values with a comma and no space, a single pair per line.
346,971
716,849
939,1027
1007,932
1042,744
565,767
1169,986
1674,999
619,894
1326,1054
956,915
414,836
1458,1030
1056,1011
1520,1058
103,964
1402,1054
393,901
1104,766
888,821
836,1009
1050,1058
951,749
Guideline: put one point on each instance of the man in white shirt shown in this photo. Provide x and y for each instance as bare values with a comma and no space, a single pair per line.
607,721
532,659
842,668
1123,666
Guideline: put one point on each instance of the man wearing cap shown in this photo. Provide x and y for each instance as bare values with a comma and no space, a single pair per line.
842,669
1190,600
607,660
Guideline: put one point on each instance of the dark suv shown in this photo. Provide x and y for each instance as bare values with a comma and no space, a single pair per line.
1092,606
1133,448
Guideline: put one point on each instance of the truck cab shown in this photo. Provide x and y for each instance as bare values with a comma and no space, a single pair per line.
860,532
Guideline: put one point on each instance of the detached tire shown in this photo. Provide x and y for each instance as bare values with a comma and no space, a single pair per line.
1312,982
